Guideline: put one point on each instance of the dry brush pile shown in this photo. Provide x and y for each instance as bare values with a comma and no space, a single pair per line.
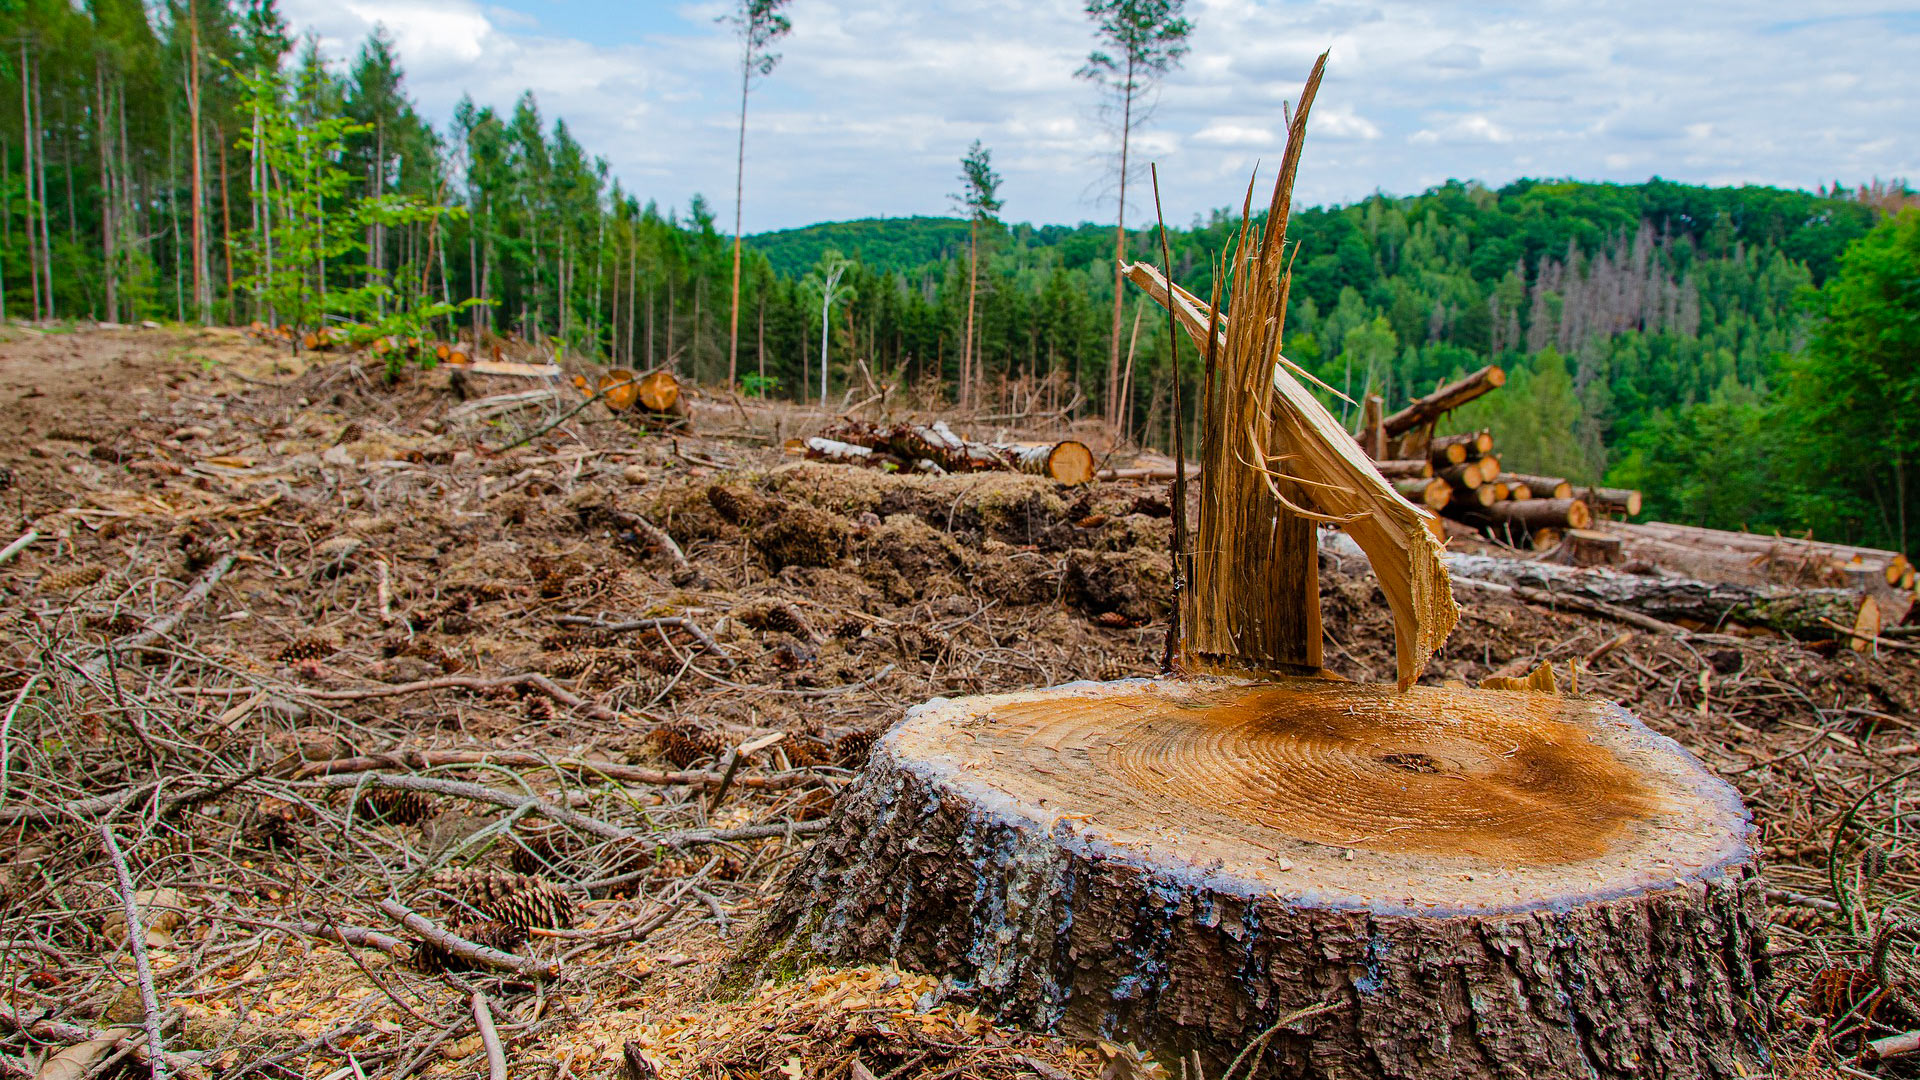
400,740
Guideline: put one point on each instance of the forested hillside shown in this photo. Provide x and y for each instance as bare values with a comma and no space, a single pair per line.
190,161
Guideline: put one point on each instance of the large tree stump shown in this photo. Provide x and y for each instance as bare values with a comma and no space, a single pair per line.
1439,883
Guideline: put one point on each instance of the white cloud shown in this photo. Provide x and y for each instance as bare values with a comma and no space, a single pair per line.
875,100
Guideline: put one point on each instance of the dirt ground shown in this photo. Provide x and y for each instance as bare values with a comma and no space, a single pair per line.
432,660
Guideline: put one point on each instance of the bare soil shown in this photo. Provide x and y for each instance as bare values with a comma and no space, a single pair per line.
408,583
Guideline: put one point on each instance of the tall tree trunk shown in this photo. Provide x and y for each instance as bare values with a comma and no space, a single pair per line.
633,292
40,164
107,197
973,285
1120,250
739,189
760,346
27,174
226,221
202,291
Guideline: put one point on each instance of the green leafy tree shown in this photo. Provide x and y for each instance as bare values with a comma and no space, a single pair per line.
1854,400
1140,41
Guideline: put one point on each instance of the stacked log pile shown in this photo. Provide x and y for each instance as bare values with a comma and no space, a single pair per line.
1463,478
936,448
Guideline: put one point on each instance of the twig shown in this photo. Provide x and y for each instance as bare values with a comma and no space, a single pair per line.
468,950
626,774
483,1019
74,1033
482,793
26,540
467,682
672,622
164,625
137,941
734,760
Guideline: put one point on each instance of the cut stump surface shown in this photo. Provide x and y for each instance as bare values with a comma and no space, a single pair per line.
1454,883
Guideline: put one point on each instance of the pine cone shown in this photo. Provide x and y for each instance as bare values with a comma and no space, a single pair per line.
569,640
169,843
551,576
684,743
733,508
432,959
519,900
775,615
308,647
350,433
853,748
6,479
394,806
276,823
539,709
78,577
1804,920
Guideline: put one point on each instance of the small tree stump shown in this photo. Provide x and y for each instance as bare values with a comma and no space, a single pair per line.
1438,883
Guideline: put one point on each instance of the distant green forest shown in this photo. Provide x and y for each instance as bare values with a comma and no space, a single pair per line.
1747,356
1641,325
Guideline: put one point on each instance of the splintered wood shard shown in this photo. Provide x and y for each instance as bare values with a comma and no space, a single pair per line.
1274,462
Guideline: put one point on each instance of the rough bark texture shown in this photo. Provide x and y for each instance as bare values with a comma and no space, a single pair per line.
1662,984
1796,612
947,857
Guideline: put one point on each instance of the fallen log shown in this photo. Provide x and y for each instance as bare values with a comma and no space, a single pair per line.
1433,492
1543,487
1452,450
1894,563
1069,462
1464,477
659,392
1795,613
1622,501
1405,469
1541,514
1427,409
1465,502
1489,467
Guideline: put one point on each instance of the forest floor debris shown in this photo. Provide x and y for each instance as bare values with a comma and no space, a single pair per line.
427,655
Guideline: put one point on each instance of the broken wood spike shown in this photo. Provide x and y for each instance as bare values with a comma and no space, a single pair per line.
1538,681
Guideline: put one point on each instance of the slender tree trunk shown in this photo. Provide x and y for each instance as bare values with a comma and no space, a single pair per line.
739,189
226,220
1120,250
40,166
973,285
760,345
107,196
26,142
202,291
6,220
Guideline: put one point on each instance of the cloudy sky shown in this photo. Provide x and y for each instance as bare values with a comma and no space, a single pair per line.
874,101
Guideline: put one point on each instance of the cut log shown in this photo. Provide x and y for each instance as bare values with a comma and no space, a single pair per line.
1678,600
1451,450
1542,514
1151,473
1446,399
1406,469
1434,493
659,392
1068,462
1501,492
1515,490
818,448
1621,501
1441,883
1489,468
618,389
1469,503
1543,487
1465,477
1866,624
1586,547
1546,539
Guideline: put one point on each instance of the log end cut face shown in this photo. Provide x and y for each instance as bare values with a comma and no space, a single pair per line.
1431,801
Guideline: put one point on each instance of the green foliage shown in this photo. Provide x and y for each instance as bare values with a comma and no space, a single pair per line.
756,385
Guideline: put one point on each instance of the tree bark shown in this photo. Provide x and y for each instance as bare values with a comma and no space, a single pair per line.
1512,885
1544,487
1446,399
1417,468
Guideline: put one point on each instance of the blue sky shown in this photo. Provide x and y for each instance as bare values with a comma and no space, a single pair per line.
875,100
